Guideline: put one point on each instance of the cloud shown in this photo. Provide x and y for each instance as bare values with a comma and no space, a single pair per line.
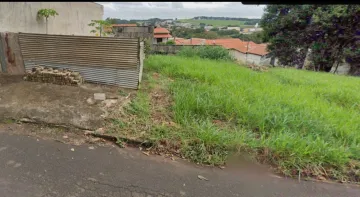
176,5
180,10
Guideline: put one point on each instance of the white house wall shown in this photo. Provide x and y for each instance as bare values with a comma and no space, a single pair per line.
253,59
238,55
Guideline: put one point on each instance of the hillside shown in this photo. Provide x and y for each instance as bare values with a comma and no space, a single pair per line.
216,23
300,122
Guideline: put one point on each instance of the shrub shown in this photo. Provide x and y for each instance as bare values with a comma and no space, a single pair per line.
170,42
207,52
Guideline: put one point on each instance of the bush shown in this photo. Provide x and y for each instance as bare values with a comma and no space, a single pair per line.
170,42
147,46
207,52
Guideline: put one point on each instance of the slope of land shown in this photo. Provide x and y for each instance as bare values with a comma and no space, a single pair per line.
303,123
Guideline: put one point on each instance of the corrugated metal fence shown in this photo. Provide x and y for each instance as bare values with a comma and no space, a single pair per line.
113,61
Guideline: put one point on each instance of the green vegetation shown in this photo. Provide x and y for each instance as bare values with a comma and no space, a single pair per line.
302,122
330,31
207,52
188,33
182,32
247,21
46,13
99,25
170,42
215,23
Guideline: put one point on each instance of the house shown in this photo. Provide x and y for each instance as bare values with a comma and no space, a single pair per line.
191,41
208,27
231,28
161,35
73,18
247,52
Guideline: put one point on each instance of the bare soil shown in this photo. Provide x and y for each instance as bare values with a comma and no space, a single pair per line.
58,104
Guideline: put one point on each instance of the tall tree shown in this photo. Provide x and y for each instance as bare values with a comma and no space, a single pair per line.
330,31
340,27
285,27
46,13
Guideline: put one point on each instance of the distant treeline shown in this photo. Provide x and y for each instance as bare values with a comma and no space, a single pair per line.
131,21
248,21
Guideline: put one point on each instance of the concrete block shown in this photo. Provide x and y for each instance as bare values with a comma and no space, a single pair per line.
99,96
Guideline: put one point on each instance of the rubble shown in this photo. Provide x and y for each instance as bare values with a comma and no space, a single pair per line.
99,96
54,76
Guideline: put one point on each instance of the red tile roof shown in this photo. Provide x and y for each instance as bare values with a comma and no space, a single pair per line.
257,49
124,25
162,36
192,41
231,43
160,30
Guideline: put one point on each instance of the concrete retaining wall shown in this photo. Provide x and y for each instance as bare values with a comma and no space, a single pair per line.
10,54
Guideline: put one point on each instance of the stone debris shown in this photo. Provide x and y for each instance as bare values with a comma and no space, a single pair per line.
99,96
54,76
91,101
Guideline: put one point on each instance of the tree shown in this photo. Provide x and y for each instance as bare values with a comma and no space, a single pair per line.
46,13
99,27
339,25
330,31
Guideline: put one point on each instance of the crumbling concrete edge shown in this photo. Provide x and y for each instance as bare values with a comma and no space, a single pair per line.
86,131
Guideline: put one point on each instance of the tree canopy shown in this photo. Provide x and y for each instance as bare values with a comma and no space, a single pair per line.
331,32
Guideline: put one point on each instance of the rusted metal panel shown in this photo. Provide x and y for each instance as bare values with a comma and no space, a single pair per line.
97,74
80,50
11,58
112,61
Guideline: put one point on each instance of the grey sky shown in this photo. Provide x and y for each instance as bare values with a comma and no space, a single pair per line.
180,10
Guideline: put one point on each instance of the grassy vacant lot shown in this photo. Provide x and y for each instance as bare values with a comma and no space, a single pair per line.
216,23
302,122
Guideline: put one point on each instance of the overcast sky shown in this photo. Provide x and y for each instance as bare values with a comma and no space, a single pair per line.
180,10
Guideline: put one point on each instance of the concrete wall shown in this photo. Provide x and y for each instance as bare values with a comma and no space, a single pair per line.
253,59
10,54
249,58
238,55
73,17
134,32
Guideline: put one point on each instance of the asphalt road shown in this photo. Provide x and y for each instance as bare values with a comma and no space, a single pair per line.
46,168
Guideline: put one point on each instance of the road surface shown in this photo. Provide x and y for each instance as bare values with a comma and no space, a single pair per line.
32,167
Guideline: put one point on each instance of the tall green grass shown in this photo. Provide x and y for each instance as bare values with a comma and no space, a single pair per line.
305,120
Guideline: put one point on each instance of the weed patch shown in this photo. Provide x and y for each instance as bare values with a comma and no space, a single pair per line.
299,121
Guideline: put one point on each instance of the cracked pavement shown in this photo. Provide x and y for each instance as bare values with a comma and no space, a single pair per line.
35,167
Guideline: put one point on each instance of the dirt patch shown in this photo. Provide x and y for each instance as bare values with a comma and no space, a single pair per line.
8,79
56,104
160,103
